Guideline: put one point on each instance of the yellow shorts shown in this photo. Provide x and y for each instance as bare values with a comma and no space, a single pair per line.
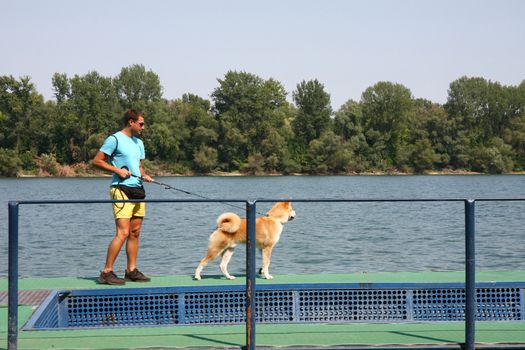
126,210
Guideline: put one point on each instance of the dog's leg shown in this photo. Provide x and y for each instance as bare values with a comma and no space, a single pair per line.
266,255
260,271
212,254
203,263
226,256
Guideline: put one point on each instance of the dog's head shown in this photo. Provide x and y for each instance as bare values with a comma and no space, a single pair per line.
283,211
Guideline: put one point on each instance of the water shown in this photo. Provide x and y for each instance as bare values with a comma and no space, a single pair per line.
71,240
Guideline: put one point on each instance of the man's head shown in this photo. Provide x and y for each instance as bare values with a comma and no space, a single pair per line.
134,119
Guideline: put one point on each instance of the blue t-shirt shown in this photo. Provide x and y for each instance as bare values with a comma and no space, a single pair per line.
127,153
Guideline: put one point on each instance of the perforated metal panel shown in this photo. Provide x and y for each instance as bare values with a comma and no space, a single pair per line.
213,308
120,310
449,304
275,304
324,305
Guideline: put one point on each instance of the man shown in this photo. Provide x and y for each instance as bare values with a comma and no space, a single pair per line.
122,154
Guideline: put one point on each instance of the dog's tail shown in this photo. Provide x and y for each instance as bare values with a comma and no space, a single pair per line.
228,222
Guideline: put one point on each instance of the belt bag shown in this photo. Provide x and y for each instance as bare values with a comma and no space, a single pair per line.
133,192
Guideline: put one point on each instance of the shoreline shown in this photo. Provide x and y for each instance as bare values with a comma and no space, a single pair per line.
238,174
157,170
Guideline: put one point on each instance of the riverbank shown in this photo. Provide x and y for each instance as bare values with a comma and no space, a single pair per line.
154,169
43,174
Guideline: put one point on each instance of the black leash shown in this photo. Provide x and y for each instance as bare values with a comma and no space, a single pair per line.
168,187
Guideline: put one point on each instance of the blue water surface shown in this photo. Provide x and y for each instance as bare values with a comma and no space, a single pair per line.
71,240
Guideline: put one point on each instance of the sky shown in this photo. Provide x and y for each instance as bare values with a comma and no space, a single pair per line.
348,46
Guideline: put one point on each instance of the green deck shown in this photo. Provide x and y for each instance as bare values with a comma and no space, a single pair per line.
352,334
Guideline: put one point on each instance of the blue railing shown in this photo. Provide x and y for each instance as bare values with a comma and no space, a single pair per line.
470,261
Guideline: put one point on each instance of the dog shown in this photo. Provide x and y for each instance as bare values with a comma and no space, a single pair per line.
231,230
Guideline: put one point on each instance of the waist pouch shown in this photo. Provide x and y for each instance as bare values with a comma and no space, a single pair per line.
133,192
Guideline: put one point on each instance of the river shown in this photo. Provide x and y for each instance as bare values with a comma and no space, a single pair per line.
71,240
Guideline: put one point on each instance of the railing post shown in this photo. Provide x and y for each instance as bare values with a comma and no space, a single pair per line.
250,275
470,275
12,294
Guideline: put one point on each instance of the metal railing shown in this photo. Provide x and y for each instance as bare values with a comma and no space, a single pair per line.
470,261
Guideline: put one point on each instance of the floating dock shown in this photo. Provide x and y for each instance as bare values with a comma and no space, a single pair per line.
361,310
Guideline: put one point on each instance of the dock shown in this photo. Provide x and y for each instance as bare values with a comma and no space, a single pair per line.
347,335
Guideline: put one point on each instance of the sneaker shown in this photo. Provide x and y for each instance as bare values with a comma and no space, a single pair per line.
136,276
110,278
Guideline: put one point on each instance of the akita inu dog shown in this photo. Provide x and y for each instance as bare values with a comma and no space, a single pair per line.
231,230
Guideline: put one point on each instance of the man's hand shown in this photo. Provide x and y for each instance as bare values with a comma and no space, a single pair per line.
147,178
123,173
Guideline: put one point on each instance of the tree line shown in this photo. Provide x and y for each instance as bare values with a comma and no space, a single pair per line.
249,126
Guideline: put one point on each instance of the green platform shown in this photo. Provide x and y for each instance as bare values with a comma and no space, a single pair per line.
352,335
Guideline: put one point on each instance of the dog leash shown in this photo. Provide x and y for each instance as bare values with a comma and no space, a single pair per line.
169,187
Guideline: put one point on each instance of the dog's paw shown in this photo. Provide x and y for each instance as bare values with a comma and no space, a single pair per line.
268,277
230,277
197,278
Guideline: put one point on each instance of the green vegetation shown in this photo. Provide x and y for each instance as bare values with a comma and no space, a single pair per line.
248,126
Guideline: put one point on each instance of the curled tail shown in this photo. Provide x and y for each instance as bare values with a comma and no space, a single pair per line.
228,222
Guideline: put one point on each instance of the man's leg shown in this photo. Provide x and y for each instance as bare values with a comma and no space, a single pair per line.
123,232
132,249
132,244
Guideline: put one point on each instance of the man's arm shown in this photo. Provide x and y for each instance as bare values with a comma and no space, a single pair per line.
143,174
100,161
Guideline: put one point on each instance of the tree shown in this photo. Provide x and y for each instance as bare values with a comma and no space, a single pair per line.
5,129
515,135
483,111
205,159
23,111
387,112
479,107
202,125
9,162
484,108
422,156
136,87
248,108
62,87
348,120
314,111
432,134
274,150
248,125
233,147
467,97
165,140
329,153
64,122
86,105
494,158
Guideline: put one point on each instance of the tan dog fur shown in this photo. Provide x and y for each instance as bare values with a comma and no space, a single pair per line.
231,230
